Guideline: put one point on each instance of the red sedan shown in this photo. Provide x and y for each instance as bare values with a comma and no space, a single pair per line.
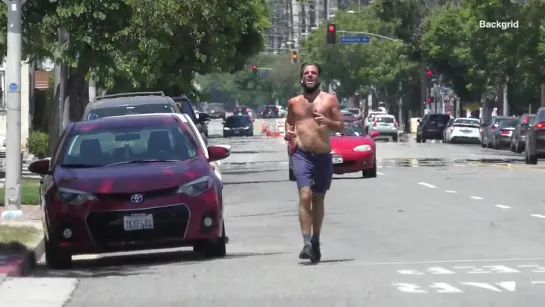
352,152
130,182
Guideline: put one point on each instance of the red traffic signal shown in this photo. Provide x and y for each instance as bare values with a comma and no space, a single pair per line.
429,73
254,67
429,99
331,28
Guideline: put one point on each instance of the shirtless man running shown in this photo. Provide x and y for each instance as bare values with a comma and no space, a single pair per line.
310,118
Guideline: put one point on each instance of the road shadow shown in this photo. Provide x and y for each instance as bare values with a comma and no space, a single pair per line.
134,264
326,261
253,182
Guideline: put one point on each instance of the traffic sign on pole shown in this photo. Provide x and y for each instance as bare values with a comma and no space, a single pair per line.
354,39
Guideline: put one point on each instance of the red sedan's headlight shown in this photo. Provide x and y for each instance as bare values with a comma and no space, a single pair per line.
362,148
74,197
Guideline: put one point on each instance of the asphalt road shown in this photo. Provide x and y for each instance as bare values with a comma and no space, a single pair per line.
442,225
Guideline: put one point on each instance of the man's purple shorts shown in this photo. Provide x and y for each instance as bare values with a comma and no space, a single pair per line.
312,170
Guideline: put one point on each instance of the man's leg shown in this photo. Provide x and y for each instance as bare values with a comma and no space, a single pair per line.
302,170
323,177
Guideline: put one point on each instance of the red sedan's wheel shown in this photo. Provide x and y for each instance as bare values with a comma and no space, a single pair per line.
371,173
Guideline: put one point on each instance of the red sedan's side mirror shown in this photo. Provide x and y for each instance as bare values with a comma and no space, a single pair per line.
216,153
40,167
374,134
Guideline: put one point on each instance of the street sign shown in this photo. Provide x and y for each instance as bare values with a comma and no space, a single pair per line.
354,39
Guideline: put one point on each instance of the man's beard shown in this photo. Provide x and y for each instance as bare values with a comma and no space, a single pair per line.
311,89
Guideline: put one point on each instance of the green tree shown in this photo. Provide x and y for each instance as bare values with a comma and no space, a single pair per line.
142,44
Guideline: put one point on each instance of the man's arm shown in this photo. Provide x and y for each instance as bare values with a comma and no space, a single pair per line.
335,123
290,117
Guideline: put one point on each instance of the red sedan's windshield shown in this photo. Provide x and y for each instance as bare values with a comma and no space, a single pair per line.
125,144
351,128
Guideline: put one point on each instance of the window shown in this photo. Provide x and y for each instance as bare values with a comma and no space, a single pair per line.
466,122
115,145
126,110
508,122
385,119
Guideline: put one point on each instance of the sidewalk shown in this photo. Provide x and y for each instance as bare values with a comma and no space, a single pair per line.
22,263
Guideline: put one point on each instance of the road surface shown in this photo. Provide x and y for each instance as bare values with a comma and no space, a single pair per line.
442,225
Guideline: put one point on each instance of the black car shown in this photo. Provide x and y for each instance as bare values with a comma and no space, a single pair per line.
535,138
217,111
238,125
431,127
201,120
270,111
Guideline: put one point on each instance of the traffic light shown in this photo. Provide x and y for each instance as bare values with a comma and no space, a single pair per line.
294,57
331,34
254,69
431,99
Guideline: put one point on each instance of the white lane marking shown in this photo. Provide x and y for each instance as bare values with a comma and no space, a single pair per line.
427,185
538,215
503,206
449,191
445,261
510,286
476,197
379,173
481,285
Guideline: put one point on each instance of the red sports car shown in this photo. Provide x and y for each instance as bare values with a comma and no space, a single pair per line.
130,182
352,151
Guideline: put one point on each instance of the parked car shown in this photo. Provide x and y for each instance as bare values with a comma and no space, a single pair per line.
217,111
518,138
352,152
143,103
463,130
238,125
136,182
488,129
431,127
535,138
187,107
501,138
445,132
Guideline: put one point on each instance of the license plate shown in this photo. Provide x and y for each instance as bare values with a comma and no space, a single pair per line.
237,132
337,159
465,131
138,222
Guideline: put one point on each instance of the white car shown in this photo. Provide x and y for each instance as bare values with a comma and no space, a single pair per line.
281,111
463,130
202,143
370,119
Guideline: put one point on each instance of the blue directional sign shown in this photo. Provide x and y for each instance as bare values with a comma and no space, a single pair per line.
354,39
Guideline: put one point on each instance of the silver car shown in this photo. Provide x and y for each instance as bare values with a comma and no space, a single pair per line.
386,126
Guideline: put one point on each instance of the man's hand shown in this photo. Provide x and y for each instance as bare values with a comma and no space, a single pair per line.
290,135
320,119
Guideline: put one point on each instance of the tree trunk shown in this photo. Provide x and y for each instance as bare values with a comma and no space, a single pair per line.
78,93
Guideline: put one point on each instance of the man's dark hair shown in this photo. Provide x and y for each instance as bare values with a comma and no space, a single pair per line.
304,65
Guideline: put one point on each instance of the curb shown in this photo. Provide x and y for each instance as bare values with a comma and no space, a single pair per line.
23,264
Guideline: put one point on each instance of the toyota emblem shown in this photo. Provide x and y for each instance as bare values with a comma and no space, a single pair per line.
137,198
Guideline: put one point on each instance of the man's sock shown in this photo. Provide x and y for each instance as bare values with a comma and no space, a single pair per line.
307,239
315,238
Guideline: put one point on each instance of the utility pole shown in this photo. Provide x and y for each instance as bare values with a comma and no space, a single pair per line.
13,105
61,73
505,102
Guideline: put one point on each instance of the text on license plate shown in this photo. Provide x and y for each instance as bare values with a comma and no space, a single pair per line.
138,222
337,159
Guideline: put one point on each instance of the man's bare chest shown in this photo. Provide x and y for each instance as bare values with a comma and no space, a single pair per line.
305,109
